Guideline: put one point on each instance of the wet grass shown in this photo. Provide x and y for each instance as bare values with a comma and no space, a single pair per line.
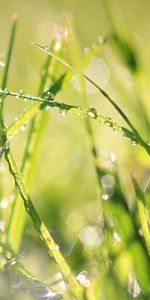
117,243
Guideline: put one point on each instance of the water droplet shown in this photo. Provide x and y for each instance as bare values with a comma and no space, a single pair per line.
21,92
46,107
2,64
57,247
4,204
133,286
108,181
62,111
92,113
117,238
113,157
83,279
2,225
23,127
46,47
134,143
45,293
115,130
109,122
6,91
105,197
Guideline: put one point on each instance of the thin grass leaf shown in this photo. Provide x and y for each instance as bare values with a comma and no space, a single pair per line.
17,218
123,115
90,113
143,213
7,65
41,228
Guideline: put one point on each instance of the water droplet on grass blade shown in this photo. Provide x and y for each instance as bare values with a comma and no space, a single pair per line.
4,203
113,157
46,293
23,128
108,181
46,107
92,113
83,279
134,143
62,112
105,197
2,64
2,225
46,47
21,92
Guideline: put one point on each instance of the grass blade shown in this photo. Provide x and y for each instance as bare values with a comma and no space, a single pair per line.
123,115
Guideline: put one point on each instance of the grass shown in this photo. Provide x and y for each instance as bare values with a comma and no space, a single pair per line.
122,256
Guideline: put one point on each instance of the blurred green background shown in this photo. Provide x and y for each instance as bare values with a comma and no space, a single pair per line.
65,187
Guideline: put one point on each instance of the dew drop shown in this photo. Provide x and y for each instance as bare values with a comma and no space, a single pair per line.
92,113
115,130
108,181
134,143
46,107
2,64
62,111
113,157
21,92
2,225
105,197
23,128
46,47
117,238
83,279
6,91
4,204
109,122
57,247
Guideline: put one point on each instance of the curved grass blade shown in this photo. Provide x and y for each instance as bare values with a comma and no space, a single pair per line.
123,115
41,228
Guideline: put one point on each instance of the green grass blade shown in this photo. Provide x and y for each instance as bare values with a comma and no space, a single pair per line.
9,53
41,228
123,115
143,213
